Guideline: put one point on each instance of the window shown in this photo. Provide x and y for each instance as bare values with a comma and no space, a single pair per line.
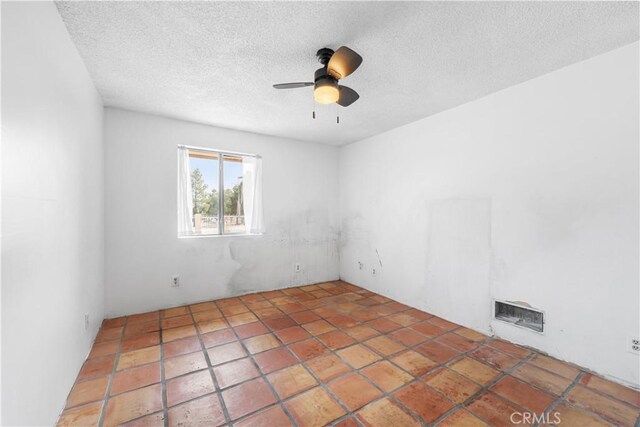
218,192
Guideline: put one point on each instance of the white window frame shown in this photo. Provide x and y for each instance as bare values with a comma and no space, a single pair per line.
220,154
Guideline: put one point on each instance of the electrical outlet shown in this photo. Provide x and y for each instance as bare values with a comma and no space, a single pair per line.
361,265
373,271
175,281
297,268
86,322
633,345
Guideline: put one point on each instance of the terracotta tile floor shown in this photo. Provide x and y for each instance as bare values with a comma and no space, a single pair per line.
330,353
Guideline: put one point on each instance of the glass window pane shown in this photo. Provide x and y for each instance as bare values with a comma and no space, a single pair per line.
233,205
204,186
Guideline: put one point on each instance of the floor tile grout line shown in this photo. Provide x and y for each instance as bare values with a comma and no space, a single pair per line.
236,334
163,382
485,389
385,394
563,400
590,412
286,346
301,362
260,375
312,307
485,342
420,378
282,401
610,396
602,393
532,385
364,342
527,360
161,411
324,385
274,305
390,394
218,390
311,336
381,333
112,376
562,397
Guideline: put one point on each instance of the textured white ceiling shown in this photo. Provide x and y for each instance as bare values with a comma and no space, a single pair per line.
215,62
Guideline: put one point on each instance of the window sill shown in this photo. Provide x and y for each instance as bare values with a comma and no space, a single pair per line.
202,236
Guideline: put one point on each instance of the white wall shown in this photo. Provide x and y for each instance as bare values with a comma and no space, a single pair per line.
52,219
142,250
529,194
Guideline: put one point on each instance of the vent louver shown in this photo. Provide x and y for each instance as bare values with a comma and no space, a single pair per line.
519,315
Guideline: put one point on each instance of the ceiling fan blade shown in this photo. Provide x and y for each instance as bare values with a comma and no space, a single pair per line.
347,96
292,85
343,62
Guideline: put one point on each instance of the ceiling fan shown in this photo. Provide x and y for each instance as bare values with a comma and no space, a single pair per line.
335,66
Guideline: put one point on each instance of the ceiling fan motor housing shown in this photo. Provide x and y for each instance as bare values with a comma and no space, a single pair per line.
324,55
323,76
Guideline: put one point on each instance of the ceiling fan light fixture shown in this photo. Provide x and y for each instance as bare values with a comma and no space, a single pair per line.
326,92
335,65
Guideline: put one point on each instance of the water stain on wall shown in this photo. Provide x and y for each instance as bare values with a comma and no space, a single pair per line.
458,260
268,261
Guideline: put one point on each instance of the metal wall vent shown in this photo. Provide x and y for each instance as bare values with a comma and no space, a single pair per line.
519,315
